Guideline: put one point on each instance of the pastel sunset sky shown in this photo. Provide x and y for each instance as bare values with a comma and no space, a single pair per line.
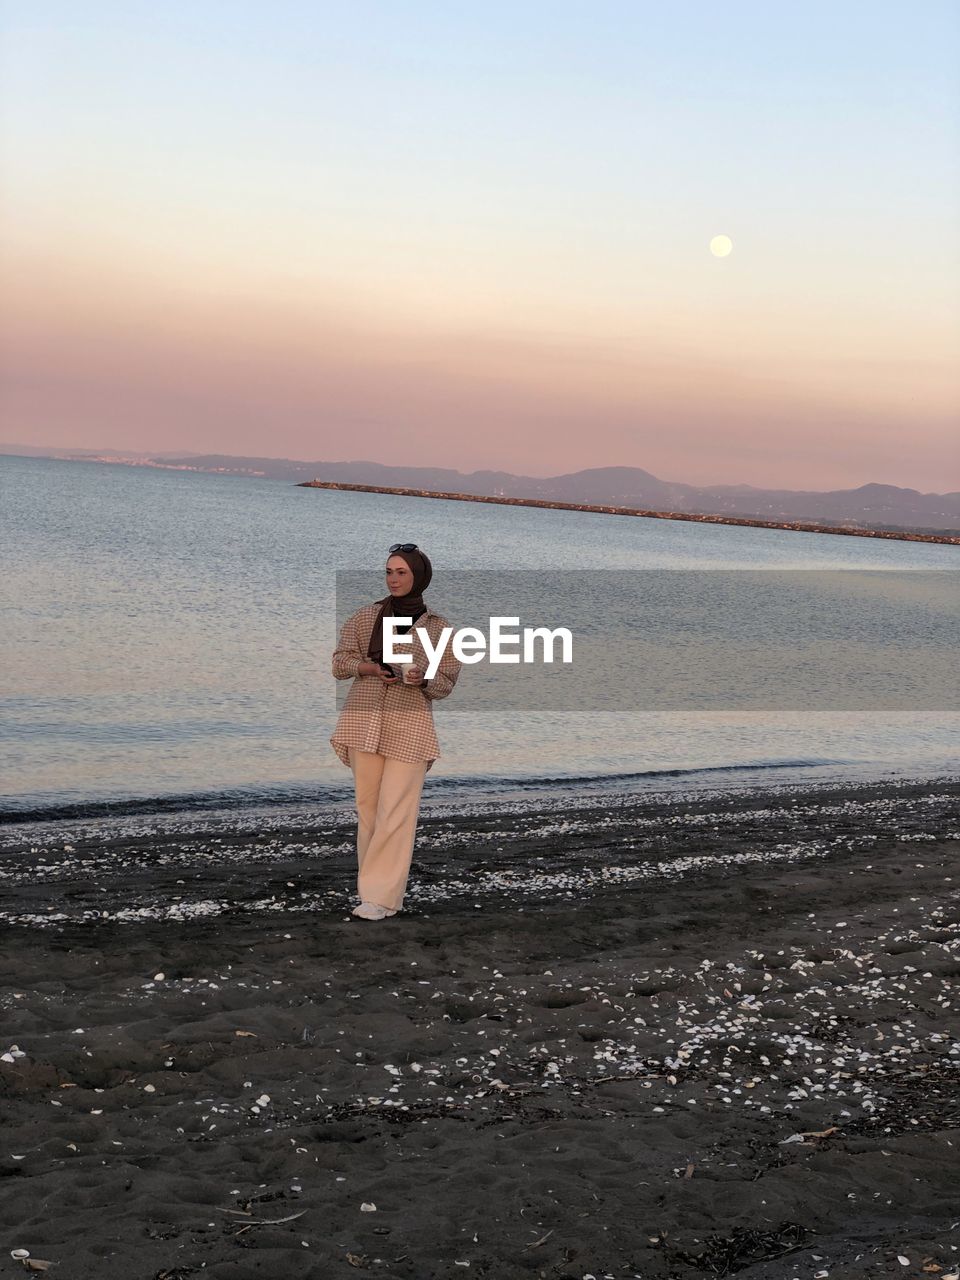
477,234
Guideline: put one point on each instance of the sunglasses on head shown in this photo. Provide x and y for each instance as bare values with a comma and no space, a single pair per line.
404,546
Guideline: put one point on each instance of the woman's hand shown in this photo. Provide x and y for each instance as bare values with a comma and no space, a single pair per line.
375,669
413,676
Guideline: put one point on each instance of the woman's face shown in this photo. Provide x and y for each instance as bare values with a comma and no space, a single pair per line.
399,576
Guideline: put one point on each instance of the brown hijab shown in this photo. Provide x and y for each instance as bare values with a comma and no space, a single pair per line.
409,606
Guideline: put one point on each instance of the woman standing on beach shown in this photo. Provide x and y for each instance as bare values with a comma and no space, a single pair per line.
385,732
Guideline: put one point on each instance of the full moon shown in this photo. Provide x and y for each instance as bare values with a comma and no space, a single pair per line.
720,246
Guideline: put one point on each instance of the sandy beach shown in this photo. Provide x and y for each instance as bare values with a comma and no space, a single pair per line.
631,1037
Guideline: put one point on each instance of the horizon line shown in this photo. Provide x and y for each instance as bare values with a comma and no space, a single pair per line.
99,455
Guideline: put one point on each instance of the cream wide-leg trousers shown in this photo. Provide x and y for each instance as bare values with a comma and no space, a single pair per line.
388,806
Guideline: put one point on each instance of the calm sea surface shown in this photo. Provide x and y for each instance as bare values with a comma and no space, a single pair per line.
167,636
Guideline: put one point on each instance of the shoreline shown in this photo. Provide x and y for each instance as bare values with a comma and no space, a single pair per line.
665,1038
795,526
449,790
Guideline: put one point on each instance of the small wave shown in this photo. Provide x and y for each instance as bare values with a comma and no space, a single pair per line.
622,778
185,802
297,794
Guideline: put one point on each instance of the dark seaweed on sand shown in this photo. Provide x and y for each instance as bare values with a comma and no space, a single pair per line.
726,1255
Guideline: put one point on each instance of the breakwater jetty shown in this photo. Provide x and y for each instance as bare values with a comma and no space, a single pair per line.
796,526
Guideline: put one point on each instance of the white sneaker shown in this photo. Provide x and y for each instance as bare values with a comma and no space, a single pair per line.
372,911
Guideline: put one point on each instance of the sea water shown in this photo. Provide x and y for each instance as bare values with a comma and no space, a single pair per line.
167,634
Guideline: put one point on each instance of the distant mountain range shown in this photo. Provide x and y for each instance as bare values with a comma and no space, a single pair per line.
871,506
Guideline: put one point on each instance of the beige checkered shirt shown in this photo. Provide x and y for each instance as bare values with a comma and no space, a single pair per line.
392,720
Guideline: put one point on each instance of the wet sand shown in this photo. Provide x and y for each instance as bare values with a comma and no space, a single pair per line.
634,1037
